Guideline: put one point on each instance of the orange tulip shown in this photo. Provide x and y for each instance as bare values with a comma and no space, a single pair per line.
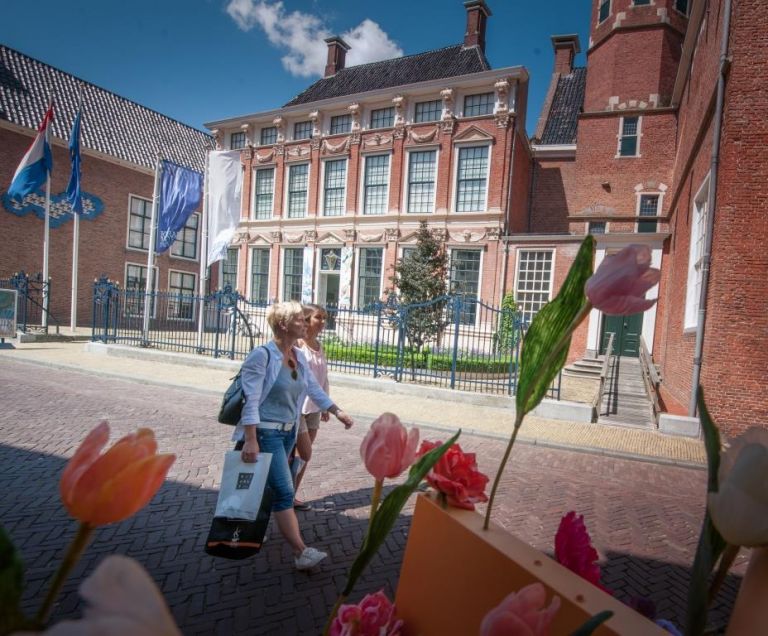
98,489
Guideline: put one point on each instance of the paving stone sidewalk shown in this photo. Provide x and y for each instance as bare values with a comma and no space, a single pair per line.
644,517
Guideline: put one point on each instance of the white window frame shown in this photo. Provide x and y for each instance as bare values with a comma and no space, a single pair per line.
256,169
281,281
659,207
516,289
237,266
288,167
128,245
407,166
329,121
322,186
198,236
245,139
261,128
463,97
424,99
249,285
368,114
587,224
455,180
361,199
358,261
302,121
699,214
610,11
193,295
153,306
620,136
461,248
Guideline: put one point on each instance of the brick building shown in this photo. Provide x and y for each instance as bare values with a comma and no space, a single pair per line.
658,140
120,141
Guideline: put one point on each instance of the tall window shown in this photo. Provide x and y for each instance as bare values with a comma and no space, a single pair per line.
268,136
302,130
185,244
229,268
383,117
472,179
649,206
696,256
480,104
341,124
682,6
369,276
375,182
260,275
237,140
298,180
263,189
604,11
421,181
293,266
181,296
628,138
333,187
534,281
140,216
135,289
428,111
465,281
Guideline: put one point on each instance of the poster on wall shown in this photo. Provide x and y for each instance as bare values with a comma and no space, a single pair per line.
8,313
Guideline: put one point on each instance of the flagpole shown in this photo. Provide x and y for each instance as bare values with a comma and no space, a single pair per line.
203,258
149,289
46,247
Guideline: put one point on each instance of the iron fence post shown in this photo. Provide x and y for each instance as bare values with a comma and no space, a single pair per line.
378,306
217,296
456,303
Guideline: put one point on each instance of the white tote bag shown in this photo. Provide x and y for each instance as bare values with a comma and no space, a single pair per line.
242,486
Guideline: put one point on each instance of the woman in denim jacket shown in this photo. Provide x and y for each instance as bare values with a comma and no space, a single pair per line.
276,379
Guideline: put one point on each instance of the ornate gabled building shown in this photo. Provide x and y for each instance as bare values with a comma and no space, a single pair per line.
339,178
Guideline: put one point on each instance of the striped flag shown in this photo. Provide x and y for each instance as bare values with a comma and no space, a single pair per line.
36,164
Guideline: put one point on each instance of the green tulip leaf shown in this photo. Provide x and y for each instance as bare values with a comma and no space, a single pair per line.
593,623
11,581
386,515
711,543
545,346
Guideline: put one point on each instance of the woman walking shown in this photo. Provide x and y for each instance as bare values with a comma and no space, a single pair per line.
276,379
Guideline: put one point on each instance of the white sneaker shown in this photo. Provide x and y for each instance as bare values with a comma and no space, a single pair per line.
309,559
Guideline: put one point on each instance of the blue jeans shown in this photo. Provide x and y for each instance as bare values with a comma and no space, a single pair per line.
280,480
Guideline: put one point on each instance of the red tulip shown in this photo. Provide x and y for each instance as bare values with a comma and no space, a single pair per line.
618,286
521,614
456,476
388,449
99,489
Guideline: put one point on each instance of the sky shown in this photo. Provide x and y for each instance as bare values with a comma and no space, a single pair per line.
199,61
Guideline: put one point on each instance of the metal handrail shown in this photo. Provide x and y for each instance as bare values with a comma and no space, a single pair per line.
651,379
604,372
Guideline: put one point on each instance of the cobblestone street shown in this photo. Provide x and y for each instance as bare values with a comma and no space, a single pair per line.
644,517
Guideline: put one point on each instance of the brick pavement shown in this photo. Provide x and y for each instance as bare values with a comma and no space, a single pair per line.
644,517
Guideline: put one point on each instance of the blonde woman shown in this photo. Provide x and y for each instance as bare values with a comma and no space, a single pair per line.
276,379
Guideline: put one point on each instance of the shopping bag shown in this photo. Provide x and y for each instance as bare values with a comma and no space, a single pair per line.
242,510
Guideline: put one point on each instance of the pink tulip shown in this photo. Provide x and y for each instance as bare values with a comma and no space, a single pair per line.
618,286
574,550
388,449
521,614
373,616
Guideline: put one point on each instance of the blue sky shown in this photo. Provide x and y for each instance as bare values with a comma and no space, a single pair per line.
203,60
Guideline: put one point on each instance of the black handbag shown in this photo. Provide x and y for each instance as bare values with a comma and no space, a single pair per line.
239,538
232,403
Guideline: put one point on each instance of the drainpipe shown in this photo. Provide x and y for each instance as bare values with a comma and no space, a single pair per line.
711,199
505,228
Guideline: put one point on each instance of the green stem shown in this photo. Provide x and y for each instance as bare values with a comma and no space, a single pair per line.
553,353
375,498
726,561
74,551
335,609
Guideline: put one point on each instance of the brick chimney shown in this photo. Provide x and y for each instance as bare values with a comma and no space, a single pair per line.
477,15
337,54
566,47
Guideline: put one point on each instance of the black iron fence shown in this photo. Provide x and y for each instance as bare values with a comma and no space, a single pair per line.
30,299
453,342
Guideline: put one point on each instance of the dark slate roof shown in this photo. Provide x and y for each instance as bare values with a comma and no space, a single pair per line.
448,62
566,106
111,124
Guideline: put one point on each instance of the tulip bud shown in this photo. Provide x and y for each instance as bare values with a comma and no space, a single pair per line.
619,285
388,449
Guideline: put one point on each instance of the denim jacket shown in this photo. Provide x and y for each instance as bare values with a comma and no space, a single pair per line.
258,377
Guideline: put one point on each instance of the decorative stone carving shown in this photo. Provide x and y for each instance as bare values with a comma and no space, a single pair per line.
279,150
276,236
217,136
371,238
447,126
440,234
597,209
246,128
295,238
264,158
279,123
314,117
447,95
398,132
399,103
243,236
298,151
377,140
502,119
354,110
315,143
354,138
349,235
391,233
422,139
493,233
502,94
334,149
310,236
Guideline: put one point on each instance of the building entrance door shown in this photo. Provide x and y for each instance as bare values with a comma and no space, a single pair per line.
627,329
329,283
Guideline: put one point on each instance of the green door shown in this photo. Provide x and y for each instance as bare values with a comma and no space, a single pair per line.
627,329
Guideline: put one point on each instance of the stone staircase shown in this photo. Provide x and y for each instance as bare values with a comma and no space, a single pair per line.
585,368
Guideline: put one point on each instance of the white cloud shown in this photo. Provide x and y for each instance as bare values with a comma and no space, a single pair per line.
301,35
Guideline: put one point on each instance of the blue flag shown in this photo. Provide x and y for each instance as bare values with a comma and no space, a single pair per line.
181,190
74,196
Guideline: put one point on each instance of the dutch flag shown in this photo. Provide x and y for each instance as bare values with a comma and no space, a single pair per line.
36,164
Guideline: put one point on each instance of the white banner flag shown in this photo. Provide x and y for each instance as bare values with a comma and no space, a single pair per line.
225,186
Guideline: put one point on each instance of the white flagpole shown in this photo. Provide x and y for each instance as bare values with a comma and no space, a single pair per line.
46,246
150,286
203,258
